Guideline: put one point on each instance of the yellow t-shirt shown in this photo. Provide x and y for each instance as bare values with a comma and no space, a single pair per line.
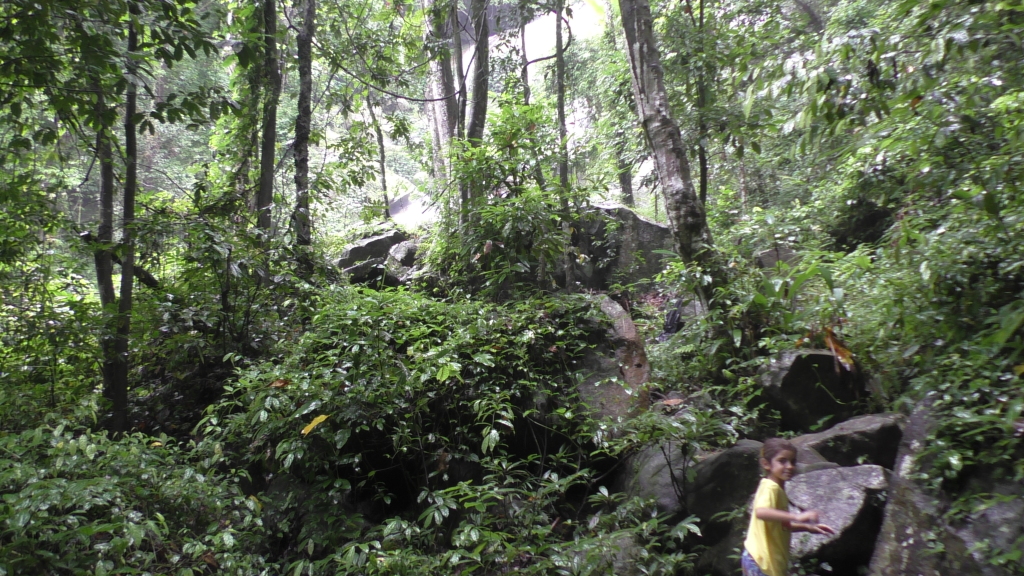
768,542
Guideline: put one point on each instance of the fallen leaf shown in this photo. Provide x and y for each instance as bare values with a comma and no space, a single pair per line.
671,401
210,559
279,383
316,422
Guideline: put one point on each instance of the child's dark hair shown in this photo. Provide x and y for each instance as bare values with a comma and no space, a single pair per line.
773,446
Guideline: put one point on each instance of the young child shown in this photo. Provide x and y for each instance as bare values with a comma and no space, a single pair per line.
766,549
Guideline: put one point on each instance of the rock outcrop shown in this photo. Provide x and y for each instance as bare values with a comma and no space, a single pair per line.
916,538
616,368
871,439
808,387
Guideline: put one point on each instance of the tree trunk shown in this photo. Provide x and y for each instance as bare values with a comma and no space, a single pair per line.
563,147
265,196
481,72
118,392
303,123
105,264
685,210
625,172
381,160
442,110
478,113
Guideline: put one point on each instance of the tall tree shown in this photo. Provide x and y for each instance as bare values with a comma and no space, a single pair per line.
442,106
481,80
265,194
303,124
683,206
118,392
563,145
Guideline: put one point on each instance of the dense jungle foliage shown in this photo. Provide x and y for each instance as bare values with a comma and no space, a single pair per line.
192,386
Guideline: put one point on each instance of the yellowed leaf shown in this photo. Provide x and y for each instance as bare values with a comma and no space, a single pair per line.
316,422
156,444
1019,369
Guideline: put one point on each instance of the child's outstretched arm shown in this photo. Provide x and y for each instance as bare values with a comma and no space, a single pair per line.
802,522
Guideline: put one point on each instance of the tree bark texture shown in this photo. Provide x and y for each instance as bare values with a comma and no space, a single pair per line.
265,195
478,111
685,210
103,257
303,126
381,159
563,147
481,72
442,110
118,392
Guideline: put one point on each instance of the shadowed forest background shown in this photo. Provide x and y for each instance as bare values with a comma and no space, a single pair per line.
203,373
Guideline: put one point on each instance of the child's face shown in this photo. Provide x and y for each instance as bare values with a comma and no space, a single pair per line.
781,467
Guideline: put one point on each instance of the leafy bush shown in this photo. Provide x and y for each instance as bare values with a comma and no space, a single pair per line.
76,502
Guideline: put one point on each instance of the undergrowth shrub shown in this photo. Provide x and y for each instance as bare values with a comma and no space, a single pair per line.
75,502
441,435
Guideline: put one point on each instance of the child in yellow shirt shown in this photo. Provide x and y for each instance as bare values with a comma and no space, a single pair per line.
766,549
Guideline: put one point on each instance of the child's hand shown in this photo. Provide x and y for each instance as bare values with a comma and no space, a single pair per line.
809,517
821,529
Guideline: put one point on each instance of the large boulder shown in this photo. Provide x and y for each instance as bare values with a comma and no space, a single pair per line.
916,538
370,248
771,257
808,387
616,368
659,472
871,439
850,500
621,247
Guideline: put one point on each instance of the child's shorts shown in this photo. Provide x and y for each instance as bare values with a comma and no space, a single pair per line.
750,568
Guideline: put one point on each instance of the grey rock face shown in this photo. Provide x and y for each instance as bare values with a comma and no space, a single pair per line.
871,439
772,256
915,539
851,501
617,368
723,483
370,248
625,248
404,253
806,387
654,473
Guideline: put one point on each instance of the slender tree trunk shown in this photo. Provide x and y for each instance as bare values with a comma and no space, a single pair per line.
460,73
443,110
105,263
702,125
478,111
265,195
118,393
481,72
563,147
625,173
303,126
683,206
381,160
